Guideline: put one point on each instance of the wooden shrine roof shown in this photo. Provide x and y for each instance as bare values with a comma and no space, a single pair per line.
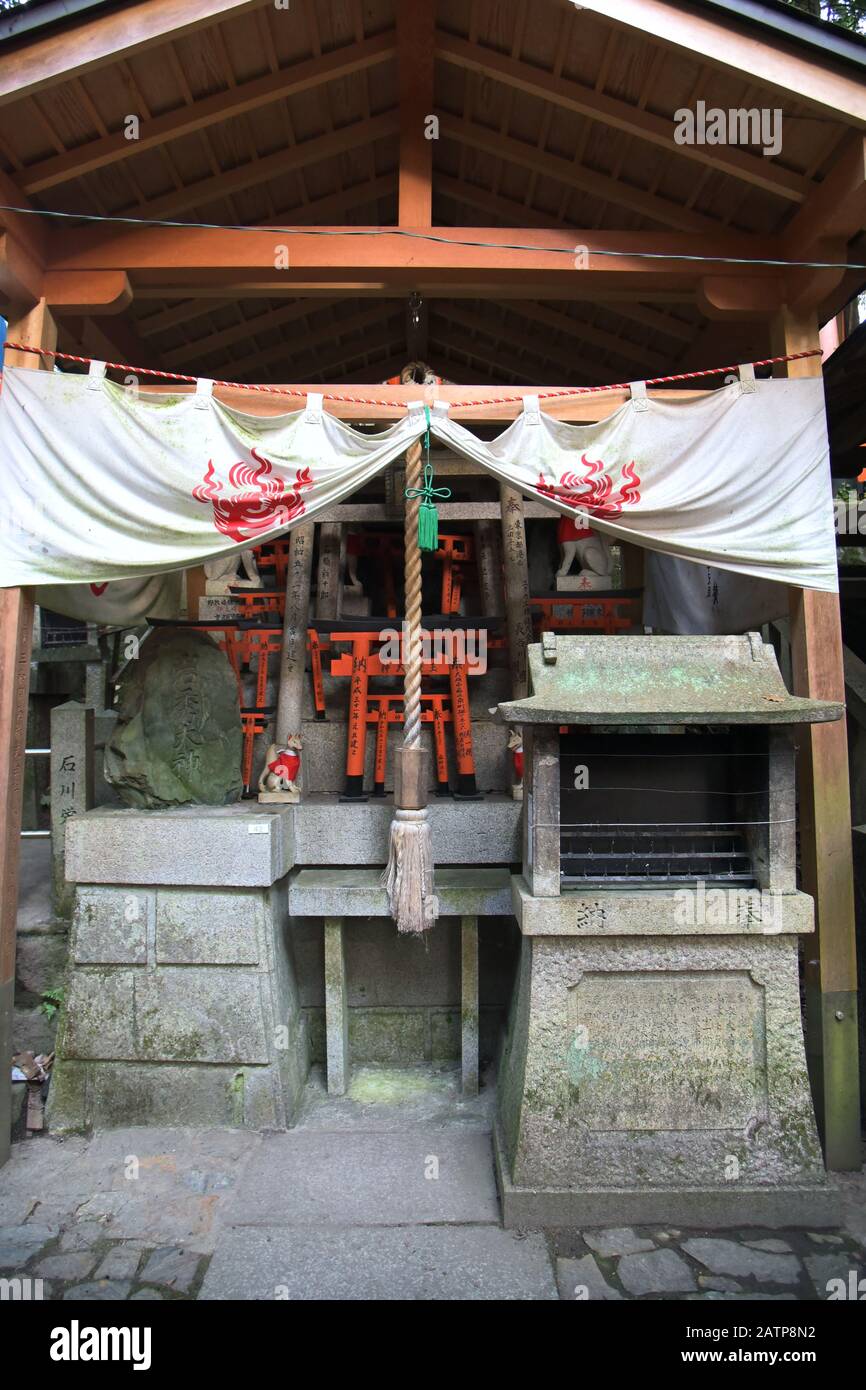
551,116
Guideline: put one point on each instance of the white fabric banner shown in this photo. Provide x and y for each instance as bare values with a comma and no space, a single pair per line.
739,478
684,598
118,602
101,483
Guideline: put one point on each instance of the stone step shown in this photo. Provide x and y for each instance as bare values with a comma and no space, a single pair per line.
317,1178
420,1263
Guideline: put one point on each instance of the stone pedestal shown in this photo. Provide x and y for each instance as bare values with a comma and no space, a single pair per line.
655,1069
196,992
182,1003
584,583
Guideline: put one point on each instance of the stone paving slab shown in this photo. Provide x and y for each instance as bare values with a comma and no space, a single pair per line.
273,1198
416,1263
581,1281
310,1178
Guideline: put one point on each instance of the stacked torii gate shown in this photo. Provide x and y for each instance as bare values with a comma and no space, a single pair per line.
46,275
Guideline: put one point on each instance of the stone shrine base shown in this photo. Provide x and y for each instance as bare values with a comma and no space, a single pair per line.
196,993
657,1077
707,1208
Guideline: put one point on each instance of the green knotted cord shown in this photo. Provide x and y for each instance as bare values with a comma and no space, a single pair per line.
428,515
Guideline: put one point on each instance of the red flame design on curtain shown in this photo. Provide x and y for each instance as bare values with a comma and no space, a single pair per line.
259,502
594,492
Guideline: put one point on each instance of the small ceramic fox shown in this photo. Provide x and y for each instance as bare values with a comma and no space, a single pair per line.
282,765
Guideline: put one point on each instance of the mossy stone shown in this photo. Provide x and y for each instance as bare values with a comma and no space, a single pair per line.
178,736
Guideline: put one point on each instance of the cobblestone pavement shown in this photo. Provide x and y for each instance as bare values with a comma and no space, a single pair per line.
388,1193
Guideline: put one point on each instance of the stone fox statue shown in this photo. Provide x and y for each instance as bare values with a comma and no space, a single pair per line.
282,765
592,550
222,575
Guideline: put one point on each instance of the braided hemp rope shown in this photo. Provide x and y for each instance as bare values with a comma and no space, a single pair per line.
412,581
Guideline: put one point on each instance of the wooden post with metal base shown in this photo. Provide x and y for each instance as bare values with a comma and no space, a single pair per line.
518,617
825,837
32,325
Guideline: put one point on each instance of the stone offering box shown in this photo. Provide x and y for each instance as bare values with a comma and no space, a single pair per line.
655,1067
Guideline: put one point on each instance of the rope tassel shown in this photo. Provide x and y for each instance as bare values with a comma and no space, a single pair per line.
408,876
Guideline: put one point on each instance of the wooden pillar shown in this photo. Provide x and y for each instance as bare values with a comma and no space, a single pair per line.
415,48
469,1011
31,324
297,618
488,550
825,837
328,574
195,590
517,616
16,629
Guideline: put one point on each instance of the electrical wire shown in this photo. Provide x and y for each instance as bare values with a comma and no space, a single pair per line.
130,221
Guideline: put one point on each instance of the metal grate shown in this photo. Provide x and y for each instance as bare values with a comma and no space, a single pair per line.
654,855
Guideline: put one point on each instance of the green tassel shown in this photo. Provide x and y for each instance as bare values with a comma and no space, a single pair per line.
428,526
428,515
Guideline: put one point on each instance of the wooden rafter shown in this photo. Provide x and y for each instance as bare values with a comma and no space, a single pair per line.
495,363
610,190
199,115
109,339
496,360
174,315
213,342
273,166
569,365
723,44
618,115
837,208
657,321
331,333
88,46
587,333
389,336
509,210
376,371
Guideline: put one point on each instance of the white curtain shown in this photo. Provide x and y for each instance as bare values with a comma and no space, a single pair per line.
100,483
684,598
